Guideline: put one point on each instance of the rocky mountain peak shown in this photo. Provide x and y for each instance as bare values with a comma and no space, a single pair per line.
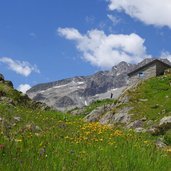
80,91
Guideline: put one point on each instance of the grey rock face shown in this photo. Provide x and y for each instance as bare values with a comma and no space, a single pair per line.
81,91
135,124
107,118
121,118
95,115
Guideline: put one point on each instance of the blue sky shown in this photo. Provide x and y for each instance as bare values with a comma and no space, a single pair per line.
42,41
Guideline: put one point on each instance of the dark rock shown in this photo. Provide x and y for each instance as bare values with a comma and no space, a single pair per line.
135,124
1,77
9,83
2,93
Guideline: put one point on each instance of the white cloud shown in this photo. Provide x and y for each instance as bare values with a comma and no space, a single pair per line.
23,88
20,67
70,33
104,50
166,55
153,12
114,19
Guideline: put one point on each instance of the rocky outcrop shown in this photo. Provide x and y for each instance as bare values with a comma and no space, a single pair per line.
12,97
165,123
135,124
97,114
161,128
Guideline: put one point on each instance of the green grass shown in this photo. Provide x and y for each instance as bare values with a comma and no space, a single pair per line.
95,104
157,92
67,143
49,140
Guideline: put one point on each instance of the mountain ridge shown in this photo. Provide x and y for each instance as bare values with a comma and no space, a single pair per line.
82,90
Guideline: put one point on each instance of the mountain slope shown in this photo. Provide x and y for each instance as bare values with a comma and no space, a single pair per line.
145,107
12,97
34,139
80,91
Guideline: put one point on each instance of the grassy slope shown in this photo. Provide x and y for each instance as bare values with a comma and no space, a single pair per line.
87,109
64,142
157,95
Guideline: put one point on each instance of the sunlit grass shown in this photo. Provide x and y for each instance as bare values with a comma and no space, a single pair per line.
64,142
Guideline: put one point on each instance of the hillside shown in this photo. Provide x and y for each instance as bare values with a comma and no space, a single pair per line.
142,107
36,139
81,91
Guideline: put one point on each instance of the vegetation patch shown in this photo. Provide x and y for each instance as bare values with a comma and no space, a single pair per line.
152,99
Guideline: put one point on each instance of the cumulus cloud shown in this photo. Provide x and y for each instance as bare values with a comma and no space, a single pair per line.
23,88
153,12
104,50
20,67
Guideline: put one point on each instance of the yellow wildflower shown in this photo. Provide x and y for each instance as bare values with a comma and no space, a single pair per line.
18,140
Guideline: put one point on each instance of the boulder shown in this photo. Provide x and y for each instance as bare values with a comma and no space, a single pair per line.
140,130
95,115
154,131
122,116
165,123
135,124
107,118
